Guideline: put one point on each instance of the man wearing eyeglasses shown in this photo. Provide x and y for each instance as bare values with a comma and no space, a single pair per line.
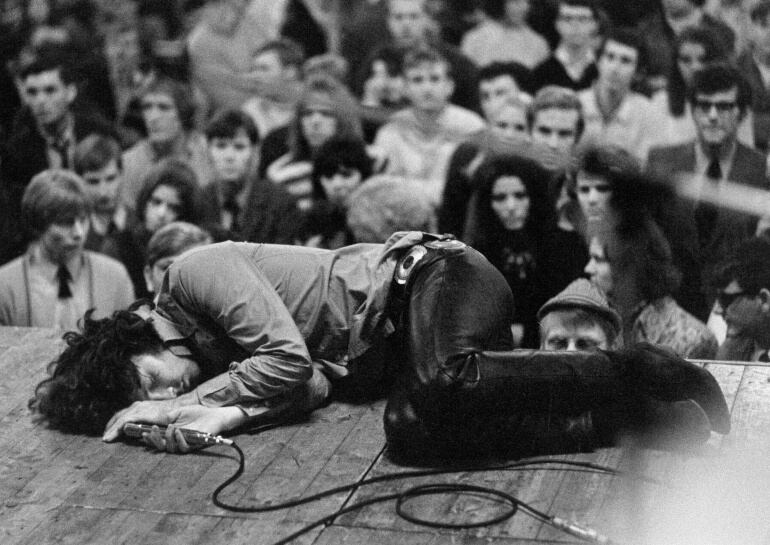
719,98
743,300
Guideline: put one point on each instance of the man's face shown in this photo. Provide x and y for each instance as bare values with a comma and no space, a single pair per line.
48,97
556,128
231,157
617,66
510,121
593,193
746,314
510,202
102,186
165,375
60,242
576,25
717,118
163,207
516,11
407,21
161,117
558,332
267,68
428,86
598,268
340,184
495,91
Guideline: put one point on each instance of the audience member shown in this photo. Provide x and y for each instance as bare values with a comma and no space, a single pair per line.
44,135
339,167
165,245
500,81
744,301
661,28
276,69
573,63
418,142
579,318
222,44
695,47
515,231
387,204
614,114
382,93
98,162
325,109
509,119
754,65
633,264
505,36
410,26
168,112
169,193
719,98
56,280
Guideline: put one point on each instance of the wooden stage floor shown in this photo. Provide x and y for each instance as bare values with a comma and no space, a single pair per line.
56,488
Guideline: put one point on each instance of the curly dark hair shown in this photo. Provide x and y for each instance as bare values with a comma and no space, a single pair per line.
94,376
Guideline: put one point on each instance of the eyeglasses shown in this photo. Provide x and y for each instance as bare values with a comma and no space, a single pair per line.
722,106
727,299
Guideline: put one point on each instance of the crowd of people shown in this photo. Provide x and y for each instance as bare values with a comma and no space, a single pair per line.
583,147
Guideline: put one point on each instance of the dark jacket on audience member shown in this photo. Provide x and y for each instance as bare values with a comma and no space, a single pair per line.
552,72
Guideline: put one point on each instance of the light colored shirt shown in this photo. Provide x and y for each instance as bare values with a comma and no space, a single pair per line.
491,41
423,153
633,125
47,310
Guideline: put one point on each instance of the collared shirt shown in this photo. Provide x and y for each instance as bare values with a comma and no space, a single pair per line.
60,149
46,309
633,125
264,315
575,68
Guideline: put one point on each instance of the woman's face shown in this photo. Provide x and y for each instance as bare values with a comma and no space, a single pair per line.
593,193
163,207
510,202
598,268
690,58
318,125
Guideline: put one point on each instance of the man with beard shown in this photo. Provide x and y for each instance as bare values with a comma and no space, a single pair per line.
97,161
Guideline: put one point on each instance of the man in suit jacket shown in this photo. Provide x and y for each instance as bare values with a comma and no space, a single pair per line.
719,100
44,136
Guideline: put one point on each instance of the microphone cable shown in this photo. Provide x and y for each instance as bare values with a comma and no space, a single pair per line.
402,498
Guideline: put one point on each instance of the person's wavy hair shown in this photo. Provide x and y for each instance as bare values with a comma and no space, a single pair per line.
94,376
179,175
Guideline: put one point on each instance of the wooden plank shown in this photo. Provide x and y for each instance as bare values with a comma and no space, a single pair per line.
336,535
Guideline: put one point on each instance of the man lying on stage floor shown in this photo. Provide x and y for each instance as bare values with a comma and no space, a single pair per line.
242,333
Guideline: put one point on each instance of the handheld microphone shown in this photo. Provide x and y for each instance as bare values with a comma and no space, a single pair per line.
193,437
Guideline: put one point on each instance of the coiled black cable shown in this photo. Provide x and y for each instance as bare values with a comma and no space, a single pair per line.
402,497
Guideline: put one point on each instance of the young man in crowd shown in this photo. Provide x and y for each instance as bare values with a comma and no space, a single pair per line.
56,280
573,62
579,318
719,100
239,205
499,82
44,136
556,121
418,142
243,332
277,68
614,114
744,302
98,162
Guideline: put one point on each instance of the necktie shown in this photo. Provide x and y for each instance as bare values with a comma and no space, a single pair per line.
706,212
62,148
64,277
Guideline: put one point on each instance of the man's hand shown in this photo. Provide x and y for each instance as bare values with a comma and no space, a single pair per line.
147,412
213,420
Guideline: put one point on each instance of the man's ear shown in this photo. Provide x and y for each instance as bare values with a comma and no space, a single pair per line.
72,92
764,297
148,278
